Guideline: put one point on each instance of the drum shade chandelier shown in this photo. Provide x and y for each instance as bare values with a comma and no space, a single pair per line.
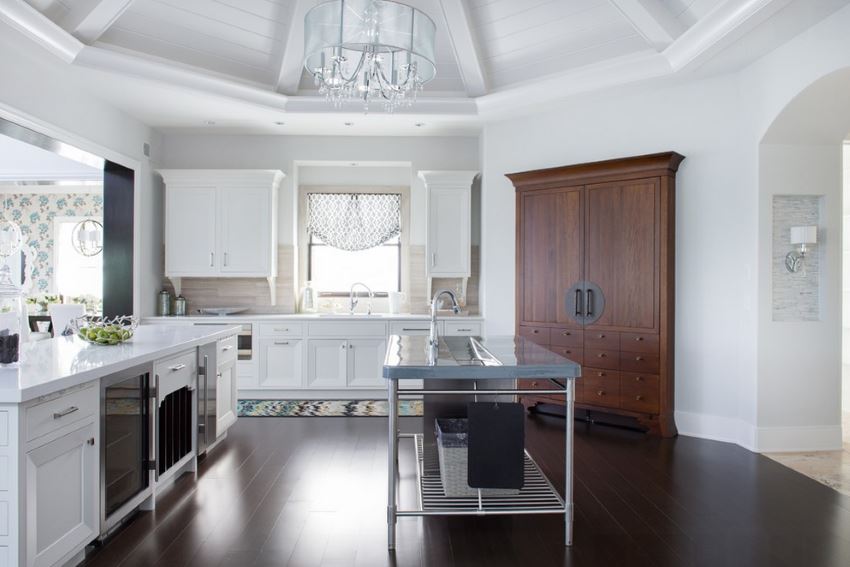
369,50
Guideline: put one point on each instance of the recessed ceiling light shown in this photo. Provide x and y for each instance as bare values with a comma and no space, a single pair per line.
209,122
419,124
349,123
278,123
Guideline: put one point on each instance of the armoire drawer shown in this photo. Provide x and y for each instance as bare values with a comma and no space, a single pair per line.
601,387
539,335
640,392
597,358
576,354
566,337
639,342
639,362
605,340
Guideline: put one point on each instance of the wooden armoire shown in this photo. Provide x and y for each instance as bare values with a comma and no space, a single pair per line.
595,281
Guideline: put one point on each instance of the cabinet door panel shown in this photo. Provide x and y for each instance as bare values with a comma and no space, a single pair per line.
245,230
280,363
366,362
552,240
326,363
226,397
62,496
190,234
622,251
448,231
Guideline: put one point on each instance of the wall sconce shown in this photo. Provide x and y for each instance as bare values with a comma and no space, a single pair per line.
802,237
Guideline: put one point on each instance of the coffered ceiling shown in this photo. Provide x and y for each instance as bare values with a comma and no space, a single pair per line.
493,56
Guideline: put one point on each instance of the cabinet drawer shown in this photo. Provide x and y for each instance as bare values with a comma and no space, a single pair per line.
51,415
601,387
227,350
462,329
281,329
639,342
605,340
639,362
539,335
346,329
639,392
416,328
576,354
598,358
566,337
176,372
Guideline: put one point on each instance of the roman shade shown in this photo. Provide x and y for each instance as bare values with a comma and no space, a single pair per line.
353,221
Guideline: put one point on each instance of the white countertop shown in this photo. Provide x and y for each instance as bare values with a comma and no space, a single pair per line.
315,317
56,364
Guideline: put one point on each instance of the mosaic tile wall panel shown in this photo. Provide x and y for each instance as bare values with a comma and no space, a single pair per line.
795,295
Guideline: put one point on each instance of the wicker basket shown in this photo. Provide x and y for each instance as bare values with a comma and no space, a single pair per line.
453,451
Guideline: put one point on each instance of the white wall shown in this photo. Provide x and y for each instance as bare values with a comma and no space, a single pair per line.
281,152
715,333
40,92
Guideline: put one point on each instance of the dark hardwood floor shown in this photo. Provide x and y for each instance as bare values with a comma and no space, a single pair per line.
312,491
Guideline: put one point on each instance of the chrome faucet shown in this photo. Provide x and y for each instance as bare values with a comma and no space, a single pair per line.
432,335
353,300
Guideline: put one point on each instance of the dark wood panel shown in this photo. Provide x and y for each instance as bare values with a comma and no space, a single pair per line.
622,252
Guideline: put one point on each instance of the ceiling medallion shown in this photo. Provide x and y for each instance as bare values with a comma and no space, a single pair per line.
369,50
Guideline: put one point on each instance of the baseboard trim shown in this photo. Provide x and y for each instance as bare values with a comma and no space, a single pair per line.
798,439
716,428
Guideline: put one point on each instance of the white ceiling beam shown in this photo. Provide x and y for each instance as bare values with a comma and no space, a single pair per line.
89,19
292,58
652,20
465,49
40,29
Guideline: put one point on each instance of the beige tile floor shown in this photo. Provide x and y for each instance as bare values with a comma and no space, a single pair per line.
831,468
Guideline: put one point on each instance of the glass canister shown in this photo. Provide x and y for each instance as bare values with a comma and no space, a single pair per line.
12,316
164,303
180,306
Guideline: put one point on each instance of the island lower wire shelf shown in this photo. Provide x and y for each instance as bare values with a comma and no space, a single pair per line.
537,496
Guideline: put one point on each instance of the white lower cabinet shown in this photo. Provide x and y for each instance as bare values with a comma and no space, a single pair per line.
326,363
226,396
62,496
280,363
366,362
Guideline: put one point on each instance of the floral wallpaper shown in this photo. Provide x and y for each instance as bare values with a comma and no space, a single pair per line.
34,212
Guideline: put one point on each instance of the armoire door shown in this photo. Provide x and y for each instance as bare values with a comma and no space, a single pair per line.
551,255
622,254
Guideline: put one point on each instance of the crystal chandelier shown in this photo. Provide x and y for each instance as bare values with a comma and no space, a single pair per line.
369,50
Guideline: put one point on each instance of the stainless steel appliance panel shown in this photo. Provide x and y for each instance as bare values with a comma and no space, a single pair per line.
207,365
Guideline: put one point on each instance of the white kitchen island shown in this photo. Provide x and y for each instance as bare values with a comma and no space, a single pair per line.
51,459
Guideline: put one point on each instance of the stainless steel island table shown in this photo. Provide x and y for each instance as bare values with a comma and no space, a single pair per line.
464,364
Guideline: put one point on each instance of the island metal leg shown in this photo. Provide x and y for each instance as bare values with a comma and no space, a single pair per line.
392,459
568,460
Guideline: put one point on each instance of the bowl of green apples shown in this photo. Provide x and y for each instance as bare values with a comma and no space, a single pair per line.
106,331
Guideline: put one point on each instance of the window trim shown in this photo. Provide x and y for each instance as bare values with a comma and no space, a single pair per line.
303,237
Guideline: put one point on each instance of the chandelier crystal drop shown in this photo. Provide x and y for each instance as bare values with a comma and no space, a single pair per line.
369,50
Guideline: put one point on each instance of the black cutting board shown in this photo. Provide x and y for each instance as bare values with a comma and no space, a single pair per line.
496,444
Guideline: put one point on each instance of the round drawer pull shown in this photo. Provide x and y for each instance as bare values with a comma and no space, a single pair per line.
600,393
600,374
638,358
566,333
638,339
638,378
602,355
534,384
638,397
535,331
600,336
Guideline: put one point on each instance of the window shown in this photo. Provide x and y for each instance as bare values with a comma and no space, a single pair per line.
354,237
75,275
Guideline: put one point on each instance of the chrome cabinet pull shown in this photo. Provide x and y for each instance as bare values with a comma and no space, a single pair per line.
177,367
64,412
589,311
281,342
464,330
433,259
411,329
212,259
225,258
90,441
281,330
226,348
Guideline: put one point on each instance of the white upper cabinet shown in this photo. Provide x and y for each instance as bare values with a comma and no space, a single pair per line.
221,223
448,247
